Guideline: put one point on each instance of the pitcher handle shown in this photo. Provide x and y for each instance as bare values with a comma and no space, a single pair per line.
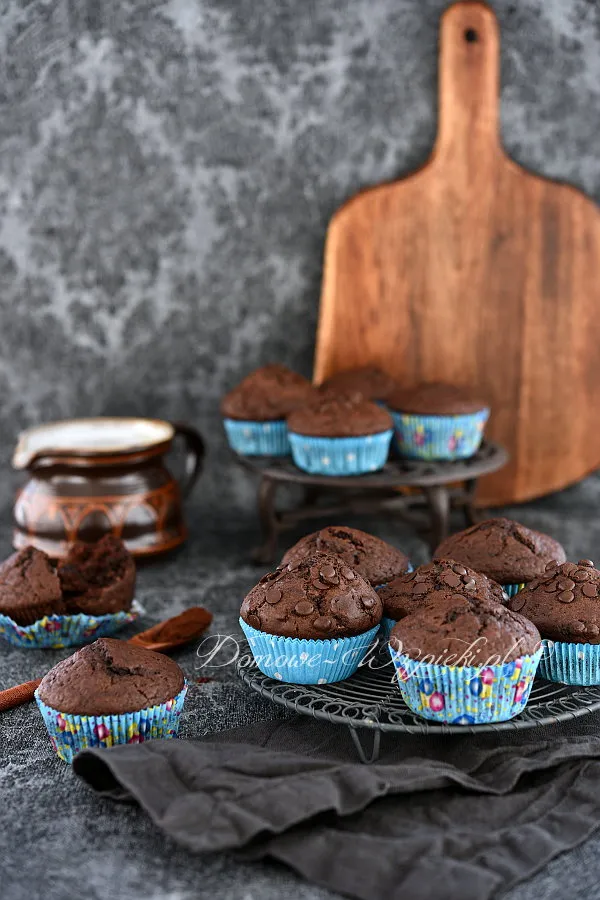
194,455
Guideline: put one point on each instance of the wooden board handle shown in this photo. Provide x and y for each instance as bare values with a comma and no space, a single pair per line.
468,84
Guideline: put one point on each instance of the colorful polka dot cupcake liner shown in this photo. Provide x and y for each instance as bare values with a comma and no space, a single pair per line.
55,632
512,589
69,734
300,661
258,438
571,663
341,456
439,437
466,695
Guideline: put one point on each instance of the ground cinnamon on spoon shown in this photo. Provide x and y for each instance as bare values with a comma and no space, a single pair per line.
187,625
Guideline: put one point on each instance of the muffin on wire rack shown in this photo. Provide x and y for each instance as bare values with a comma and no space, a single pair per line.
311,621
465,662
564,604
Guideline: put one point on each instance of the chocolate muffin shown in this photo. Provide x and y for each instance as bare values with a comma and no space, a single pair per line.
267,394
563,602
110,677
339,416
29,587
99,578
438,421
459,631
434,399
504,550
368,555
316,597
433,581
371,382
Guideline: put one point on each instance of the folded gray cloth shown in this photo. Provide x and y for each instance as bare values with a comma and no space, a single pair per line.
446,817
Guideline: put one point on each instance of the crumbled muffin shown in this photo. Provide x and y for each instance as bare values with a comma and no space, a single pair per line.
98,578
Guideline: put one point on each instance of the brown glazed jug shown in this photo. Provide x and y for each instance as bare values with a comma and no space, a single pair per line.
90,477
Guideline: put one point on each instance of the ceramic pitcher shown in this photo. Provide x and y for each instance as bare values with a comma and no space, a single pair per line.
88,477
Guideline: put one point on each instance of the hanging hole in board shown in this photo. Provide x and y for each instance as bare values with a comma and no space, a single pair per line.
470,35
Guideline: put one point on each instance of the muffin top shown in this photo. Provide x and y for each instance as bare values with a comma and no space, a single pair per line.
267,394
98,578
368,555
563,602
110,677
371,382
28,580
459,631
435,399
346,415
316,597
503,550
436,579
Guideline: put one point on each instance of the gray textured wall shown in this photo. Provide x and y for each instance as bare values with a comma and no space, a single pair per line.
167,171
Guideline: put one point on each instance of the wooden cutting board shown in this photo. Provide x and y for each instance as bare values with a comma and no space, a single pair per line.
474,271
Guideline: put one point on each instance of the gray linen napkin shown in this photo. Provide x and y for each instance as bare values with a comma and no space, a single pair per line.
446,817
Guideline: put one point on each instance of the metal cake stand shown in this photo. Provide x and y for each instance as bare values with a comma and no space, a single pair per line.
442,486
369,703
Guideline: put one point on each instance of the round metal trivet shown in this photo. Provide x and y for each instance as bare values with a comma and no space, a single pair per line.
371,701
397,472
441,487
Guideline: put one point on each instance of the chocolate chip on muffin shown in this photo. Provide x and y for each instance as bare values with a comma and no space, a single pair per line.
433,581
29,587
339,416
98,578
504,550
110,677
316,597
371,382
434,399
458,631
563,602
368,555
267,394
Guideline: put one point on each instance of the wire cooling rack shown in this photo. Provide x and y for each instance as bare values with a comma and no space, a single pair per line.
370,703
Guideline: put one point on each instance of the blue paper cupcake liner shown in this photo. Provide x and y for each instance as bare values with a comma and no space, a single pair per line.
69,733
385,628
571,663
340,456
512,589
465,695
55,632
439,437
302,661
258,438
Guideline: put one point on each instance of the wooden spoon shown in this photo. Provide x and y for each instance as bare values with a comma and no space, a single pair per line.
167,635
